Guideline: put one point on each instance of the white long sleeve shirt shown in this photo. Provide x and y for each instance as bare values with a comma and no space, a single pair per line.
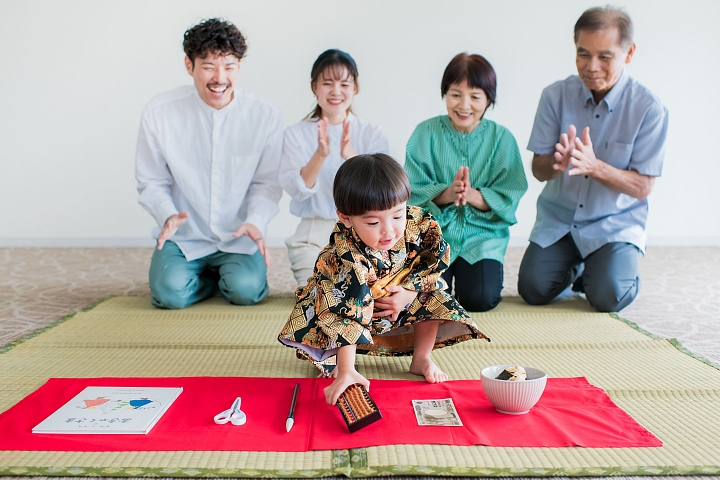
220,166
299,145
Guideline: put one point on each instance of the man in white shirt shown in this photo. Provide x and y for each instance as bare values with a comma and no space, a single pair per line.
206,165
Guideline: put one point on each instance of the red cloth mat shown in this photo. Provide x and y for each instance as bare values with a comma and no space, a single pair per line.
570,413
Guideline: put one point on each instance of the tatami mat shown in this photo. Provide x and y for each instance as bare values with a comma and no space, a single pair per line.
672,394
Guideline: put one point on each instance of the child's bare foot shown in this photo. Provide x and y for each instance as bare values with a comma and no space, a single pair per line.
427,368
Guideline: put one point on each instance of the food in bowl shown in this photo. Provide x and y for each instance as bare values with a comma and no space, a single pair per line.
513,374
513,397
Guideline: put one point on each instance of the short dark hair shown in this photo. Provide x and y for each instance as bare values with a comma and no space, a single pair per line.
214,36
602,18
333,60
372,182
476,70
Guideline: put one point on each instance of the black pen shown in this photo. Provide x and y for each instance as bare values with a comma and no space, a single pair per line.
291,416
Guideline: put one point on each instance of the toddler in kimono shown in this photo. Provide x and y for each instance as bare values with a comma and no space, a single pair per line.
377,287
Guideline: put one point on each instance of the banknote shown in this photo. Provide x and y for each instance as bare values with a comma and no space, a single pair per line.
436,413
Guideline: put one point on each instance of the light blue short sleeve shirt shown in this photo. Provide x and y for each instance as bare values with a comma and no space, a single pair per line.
628,129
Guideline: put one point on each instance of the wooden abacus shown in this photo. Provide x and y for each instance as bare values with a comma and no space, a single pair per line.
357,408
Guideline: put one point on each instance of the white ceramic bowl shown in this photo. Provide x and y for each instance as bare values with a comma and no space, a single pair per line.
513,397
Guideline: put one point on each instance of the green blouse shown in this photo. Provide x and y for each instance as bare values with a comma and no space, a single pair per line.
436,151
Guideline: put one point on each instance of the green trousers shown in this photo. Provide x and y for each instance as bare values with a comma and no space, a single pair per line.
177,283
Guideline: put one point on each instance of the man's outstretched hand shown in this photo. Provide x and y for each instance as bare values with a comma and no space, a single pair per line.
171,226
254,233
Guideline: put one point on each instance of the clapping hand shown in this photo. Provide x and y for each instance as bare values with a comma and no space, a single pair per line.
346,149
465,194
583,157
254,233
457,191
564,149
171,226
462,180
323,148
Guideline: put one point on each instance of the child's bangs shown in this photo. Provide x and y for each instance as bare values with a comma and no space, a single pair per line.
385,194
378,193
370,183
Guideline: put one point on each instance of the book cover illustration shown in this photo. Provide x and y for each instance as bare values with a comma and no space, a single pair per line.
126,410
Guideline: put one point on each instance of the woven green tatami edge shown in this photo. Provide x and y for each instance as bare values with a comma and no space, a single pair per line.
67,317
530,472
672,341
676,343
344,462
635,326
351,472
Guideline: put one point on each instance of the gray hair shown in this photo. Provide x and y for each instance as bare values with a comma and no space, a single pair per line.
601,18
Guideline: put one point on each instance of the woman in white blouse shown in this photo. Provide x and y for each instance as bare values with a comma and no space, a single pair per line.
314,149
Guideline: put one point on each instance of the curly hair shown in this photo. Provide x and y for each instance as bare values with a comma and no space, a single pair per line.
214,36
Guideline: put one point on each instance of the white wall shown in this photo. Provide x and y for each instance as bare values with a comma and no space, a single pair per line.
75,75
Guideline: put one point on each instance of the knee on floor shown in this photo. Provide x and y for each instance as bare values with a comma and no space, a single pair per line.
169,302
481,303
243,289
534,292
480,306
173,291
611,297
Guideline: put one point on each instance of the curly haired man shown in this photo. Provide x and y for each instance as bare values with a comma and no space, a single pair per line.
206,166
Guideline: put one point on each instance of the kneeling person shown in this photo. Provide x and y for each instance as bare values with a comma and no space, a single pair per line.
592,213
377,288
206,166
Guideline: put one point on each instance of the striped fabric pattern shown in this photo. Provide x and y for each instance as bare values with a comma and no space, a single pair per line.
435,152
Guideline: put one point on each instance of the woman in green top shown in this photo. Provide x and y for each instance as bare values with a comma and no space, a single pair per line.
467,171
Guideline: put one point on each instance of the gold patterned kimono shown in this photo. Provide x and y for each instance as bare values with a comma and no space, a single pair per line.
335,308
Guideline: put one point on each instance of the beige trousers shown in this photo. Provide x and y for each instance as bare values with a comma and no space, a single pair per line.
311,236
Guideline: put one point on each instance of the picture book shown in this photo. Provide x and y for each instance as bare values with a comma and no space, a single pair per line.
111,410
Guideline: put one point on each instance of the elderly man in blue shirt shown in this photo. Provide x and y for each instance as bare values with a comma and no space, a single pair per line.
598,142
